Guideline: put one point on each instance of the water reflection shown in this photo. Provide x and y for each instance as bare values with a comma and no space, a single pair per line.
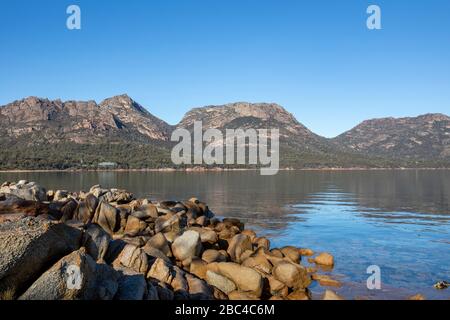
265,201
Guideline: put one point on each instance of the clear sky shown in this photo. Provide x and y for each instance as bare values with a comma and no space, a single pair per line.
315,58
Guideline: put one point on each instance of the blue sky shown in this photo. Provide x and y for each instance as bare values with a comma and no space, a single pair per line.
316,58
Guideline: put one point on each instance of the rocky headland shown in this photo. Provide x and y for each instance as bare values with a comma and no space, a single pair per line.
106,244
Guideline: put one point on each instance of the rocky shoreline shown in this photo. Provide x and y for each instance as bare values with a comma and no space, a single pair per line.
106,244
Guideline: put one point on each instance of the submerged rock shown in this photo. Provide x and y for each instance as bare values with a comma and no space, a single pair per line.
330,295
325,280
441,285
324,259
292,275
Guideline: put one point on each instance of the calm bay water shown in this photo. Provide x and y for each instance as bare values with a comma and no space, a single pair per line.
398,220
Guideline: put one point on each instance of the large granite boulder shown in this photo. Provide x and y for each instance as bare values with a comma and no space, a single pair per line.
246,279
187,246
28,246
75,277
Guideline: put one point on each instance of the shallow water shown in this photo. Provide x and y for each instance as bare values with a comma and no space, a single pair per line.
398,220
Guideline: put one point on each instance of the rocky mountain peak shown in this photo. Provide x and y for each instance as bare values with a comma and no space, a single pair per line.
219,116
123,102
432,117
80,121
425,136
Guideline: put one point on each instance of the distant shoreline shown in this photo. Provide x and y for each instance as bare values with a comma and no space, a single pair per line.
204,170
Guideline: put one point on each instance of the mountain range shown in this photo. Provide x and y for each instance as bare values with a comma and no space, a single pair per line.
37,133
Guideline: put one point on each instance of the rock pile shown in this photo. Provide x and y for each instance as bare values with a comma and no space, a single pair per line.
106,244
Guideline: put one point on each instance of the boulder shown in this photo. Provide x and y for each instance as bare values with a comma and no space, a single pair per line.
292,275
277,288
28,246
212,255
246,254
324,259
226,234
149,210
118,196
187,246
171,236
160,242
132,257
291,253
202,221
169,222
325,280
220,282
250,233
198,268
68,210
206,235
330,295
274,260
154,254
262,242
152,291
13,206
60,195
179,283
107,217
246,279
25,190
162,271
96,240
86,209
219,295
91,202
132,285
199,289
277,253
134,226
238,245
229,222
164,292
114,249
259,263
75,277
97,191
239,295
299,294
306,252
82,214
